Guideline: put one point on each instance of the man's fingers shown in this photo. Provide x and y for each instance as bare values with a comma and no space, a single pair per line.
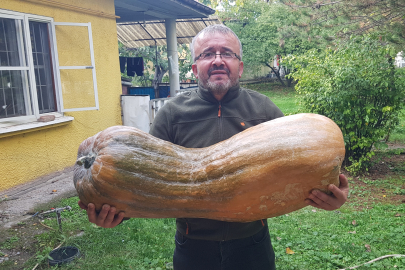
344,183
337,192
82,205
342,191
91,213
106,218
322,200
332,201
118,219
110,217
103,214
319,197
321,205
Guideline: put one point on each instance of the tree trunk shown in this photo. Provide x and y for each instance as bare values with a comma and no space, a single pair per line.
289,81
277,74
159,73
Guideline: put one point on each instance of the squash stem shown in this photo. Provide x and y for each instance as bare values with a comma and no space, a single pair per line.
87,161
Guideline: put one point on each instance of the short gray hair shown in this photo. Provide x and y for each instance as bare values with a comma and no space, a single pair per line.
211,29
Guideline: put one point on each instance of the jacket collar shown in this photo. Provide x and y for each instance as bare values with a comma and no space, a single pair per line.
205,94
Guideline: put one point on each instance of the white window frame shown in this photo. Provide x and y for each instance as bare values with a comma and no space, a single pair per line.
92,67
30,84
27,93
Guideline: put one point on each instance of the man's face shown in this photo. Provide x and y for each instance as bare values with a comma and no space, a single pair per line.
217,75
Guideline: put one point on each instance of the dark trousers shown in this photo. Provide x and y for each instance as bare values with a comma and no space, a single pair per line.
250,253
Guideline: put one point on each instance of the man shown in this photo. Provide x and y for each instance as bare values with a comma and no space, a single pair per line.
213,113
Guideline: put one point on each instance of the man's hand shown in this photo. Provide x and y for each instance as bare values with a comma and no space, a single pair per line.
107,218
334,201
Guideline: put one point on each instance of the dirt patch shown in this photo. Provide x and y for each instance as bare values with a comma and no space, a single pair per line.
18,228
369,194
372,186
19,244
384,166
18,203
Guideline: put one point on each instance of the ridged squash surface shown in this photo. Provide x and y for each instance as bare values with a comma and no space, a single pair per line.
265,171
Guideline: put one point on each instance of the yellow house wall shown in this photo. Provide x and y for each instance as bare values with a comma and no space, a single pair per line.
27,156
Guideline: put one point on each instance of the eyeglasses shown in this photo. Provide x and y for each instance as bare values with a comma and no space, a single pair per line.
212,56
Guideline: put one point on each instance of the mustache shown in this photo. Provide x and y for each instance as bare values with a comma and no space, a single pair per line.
211,69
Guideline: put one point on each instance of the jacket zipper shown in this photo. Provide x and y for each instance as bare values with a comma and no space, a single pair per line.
220,120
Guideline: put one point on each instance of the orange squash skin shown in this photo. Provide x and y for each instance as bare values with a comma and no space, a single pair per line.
265,171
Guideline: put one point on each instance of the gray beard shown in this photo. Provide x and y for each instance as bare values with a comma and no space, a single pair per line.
219,89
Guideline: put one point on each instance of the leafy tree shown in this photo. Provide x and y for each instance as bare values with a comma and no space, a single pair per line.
357,17
157,55
358,87
266,30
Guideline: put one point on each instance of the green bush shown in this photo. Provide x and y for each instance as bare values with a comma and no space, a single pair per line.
356,85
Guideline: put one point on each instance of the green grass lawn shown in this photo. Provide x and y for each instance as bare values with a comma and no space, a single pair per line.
319,239
284,98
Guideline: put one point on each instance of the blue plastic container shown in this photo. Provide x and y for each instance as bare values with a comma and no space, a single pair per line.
142,91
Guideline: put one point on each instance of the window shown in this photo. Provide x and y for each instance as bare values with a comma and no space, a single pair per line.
41,55
15,94
13,72
31,81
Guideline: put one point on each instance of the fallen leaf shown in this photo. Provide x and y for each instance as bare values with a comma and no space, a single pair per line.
368,247
278,238
397,215
289,251
314,210
354,223
353,232
54,190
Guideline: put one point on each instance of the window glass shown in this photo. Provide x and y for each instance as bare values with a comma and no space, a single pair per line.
41,54
12,99
12,94
9,55
69,37
77,88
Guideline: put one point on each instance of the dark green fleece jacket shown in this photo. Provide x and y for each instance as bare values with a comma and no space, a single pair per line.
195,120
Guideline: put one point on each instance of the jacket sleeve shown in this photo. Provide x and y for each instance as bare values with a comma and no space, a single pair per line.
161,127
272,111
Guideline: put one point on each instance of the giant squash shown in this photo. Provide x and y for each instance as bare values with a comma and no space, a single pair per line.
264,171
